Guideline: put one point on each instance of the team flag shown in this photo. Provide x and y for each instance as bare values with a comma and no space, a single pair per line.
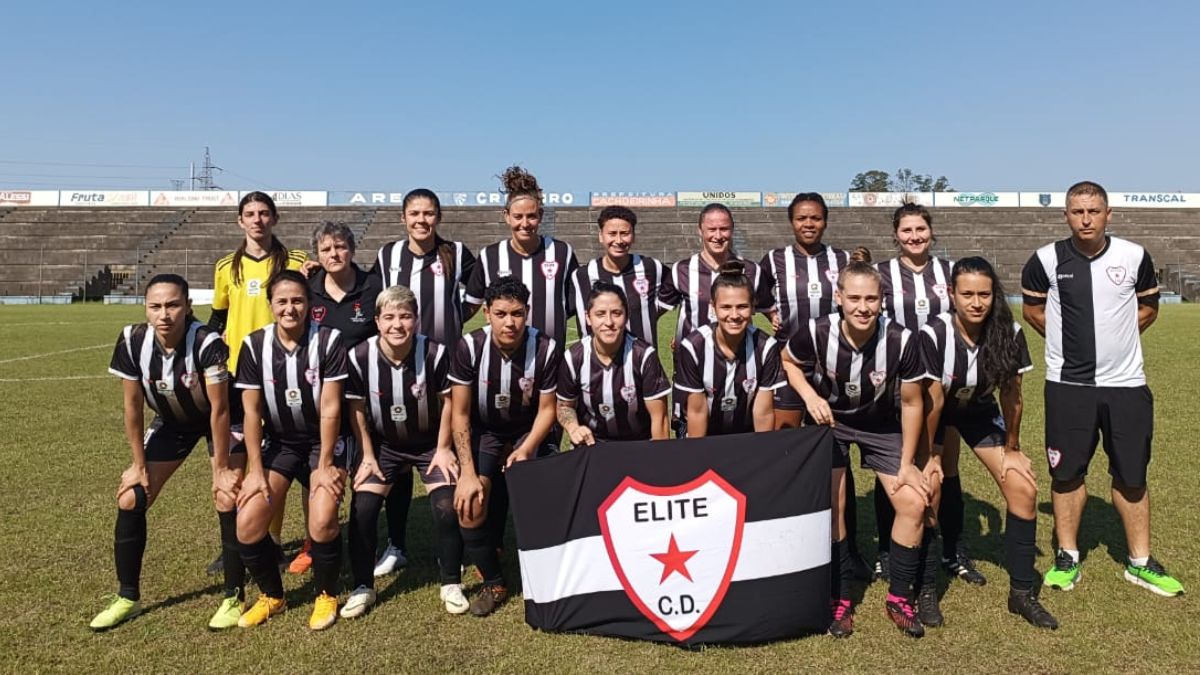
706,540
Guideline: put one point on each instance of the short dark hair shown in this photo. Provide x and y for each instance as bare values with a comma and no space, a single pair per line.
712,208
621,212
173,279
808,197
285,276
509,288
602,287
1085,188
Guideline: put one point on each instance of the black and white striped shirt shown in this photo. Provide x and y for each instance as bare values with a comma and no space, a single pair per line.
803,284
291,381
640,281
174,384
861,384
959,365
1092,335
729,385
402,401
912,298
546,273
439,304
690,283
505,389
611,399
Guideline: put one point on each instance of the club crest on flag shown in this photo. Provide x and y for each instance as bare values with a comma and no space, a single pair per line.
674,548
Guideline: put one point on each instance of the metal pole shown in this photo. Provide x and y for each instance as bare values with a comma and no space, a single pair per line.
41,271
185,264
137,270
83,290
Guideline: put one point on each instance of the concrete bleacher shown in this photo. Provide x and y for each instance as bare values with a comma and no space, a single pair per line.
63,250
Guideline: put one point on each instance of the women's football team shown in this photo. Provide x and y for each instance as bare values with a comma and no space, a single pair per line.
348,380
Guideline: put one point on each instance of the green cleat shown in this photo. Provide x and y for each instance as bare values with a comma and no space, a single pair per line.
1153,578
227,614
1065,573
118,611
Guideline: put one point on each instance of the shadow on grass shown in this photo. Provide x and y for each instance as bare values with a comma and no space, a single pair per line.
211,589
1099,527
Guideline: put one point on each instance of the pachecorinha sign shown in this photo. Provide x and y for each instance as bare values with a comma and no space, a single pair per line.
705,540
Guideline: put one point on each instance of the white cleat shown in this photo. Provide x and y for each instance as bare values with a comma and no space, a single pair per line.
358,603
391,560
456,602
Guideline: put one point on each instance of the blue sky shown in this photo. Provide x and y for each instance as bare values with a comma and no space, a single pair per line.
605,96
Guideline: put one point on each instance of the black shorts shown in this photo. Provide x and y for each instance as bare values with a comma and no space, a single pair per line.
165,444
787,398
979,427
396,464
296,461
880,450
1076,416
491,450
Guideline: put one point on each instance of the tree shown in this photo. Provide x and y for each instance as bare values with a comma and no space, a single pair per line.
870,181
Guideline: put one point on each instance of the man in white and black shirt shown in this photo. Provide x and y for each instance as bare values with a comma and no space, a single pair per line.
1091,295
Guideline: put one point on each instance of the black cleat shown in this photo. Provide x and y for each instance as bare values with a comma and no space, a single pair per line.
929,608
964,568
1026,604
489,597
217,566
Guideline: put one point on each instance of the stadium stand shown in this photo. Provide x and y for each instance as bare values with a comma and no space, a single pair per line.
54,251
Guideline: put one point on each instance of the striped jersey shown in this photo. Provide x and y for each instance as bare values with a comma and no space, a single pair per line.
174,384
640,280
291,381
247,302
861,383
690,283
610,399
435,283
912,298
1092,335
546,273
403,401
505,389
729,385
959,365
803,284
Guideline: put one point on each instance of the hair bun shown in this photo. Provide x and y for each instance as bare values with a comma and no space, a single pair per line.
861,254
732,267
518,181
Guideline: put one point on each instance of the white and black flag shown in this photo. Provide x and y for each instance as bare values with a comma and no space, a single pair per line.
722,539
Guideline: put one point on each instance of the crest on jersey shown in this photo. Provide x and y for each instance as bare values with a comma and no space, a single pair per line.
189,379
318,314
629,393
418,389
642,286
878,377
940,290
749,384
1116,274
832,275
550,269
674,548
526,384
436,268
1054,456
312,375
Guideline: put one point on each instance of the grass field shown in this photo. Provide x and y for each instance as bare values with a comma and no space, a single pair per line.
63,451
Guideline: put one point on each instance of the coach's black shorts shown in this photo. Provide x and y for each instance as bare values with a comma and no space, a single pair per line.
1076,416
978,426
296,461
491,450
396,465
880,449
167,444
787,398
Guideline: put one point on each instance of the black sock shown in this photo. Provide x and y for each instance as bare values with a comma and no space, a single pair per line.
477,543
231,557
950,516
1020,548
497,517
398,501
885,515
129,545
902,569
841,569
448,537
327,564
850,512
364,536
262,560
927,565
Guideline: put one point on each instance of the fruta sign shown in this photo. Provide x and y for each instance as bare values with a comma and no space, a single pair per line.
674,548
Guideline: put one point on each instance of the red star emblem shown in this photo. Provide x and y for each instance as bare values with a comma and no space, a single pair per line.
674,560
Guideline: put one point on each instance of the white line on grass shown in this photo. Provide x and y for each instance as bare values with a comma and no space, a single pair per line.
54,379
65,351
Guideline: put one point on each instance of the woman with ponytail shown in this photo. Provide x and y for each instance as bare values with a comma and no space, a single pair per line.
973,351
